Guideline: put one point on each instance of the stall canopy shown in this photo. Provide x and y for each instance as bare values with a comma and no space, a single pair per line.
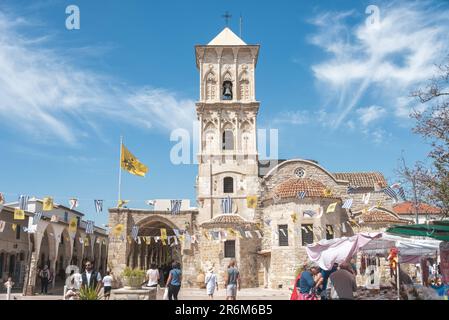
438,230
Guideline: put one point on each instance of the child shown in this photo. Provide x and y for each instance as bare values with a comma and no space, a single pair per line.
9,283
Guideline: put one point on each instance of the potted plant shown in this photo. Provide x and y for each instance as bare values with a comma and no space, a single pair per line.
89,293
133,278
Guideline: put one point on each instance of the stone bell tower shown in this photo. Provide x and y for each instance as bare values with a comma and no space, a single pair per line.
227,113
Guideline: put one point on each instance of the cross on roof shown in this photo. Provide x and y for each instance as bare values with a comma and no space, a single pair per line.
227,16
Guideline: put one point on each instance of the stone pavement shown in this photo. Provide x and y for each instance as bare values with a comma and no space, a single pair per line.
189,294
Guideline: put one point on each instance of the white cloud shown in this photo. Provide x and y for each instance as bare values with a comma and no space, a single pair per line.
46,95
370,114
392,58
292,117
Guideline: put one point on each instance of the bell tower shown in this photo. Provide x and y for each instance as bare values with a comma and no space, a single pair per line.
227,112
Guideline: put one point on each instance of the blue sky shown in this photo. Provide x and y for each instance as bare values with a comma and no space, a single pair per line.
336,89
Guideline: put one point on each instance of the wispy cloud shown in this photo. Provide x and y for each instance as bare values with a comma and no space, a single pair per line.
292,117
46,95
370,114
380,63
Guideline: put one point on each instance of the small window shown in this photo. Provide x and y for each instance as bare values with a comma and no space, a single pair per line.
283,235
228,185
307,236
229,249
18,232
228,140
300,173
329,232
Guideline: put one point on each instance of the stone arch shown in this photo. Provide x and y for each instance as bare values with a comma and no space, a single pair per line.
78,250
64,254
47,247
210,81
247,137
228,139
244,89
210,137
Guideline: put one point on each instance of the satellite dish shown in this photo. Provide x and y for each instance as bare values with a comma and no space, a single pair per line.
69,269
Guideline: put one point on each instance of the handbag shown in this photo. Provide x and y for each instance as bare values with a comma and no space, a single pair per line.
165,297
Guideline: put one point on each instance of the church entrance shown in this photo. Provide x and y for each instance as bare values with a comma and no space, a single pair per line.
152,250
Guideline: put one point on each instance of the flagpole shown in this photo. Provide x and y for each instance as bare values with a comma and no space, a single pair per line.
120,172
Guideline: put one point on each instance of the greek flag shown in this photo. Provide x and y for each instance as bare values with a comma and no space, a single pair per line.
89,227
400,190
23,202
351,189
175,206
391,193
135,232
98,205
347,204
37,217
309,213
302,194
73,203
226,205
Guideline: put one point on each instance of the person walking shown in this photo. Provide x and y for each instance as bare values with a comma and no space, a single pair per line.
90,278
307,284
342,283
211,283
44,275
326,274
153,276
232,281
107,284
174,281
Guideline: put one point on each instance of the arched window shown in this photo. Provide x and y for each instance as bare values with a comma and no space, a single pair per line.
228,185
210,86
228,139
227,90
244,90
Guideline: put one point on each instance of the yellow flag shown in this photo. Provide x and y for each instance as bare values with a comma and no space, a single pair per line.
327,192
14,227
251,202
331,207
19,214
129,239
73,225
131,164
206,235
148,240
47,204
118,229
294,217
232,232
181,237
163,234
121,203
86,242
379,203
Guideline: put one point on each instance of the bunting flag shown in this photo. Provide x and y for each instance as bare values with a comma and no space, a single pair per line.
308,213
329,229
23,202
310,228
73,225
259,234
215,235
301,194
89,227
248,234
47,204
331,207
131,164
251,202
181,237
391,193
305,229
54,218
98,206
148,239
283,232
134,232
2,225
138,240
276,198
176,231
14,227
86,242
231,232
379,203
400,191
377,187
73,203
150,202
294,217
81,240
226,205
327,192
121,203
163,233
130,240
347,204
118,229
205,235
175,206
366,197
19,214
176,241
37,217
241,233
351,189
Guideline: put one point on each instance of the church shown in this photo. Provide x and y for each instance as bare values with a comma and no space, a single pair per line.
262,214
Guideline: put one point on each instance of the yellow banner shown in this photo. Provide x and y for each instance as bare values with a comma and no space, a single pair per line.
294,217
73,225
14,227
251,202
47,204
331,207
163,233
131,164
118,229
19,214
121,203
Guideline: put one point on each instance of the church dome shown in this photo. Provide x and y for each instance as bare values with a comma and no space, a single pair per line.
312,188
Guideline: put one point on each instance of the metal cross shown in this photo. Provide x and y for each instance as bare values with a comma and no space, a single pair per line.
227,16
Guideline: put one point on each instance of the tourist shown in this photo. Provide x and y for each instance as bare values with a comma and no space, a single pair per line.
232,281
90,277
9,283
44,275
153,276
307,287
174,281
342,283
326,274
211,282
107,285
353,267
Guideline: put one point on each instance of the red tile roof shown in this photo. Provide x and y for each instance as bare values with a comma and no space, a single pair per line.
380,216
362,179
227,220
291,187
408,208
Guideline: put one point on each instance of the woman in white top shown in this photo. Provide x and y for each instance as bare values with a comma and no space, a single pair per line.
153,276
107,285
211,282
